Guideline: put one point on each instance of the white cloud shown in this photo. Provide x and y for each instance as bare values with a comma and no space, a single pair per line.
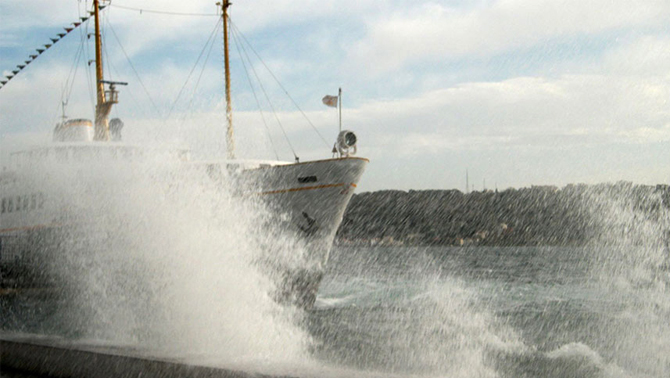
435,31
644,55
583,110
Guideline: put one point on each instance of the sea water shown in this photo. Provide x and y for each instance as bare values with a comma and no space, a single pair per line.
156,257
400,311
489,311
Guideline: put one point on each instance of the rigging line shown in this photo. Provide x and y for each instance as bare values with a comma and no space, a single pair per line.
40,51
84,40
75,65
67,92
216,27
72,74
267,98
260,110
197,83
103,35
164,12
111,67
280,85
134,70
128,92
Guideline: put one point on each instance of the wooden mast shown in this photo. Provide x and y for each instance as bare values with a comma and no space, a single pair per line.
101,124
230,142
106,99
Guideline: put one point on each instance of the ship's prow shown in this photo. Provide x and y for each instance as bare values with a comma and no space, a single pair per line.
309,200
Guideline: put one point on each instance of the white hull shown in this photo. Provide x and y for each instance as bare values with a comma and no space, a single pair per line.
313,194
309,200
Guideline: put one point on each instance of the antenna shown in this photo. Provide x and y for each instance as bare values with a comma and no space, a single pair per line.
63,105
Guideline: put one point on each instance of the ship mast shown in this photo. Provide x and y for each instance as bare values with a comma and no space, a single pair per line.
230,142
105,99
100,89
101,124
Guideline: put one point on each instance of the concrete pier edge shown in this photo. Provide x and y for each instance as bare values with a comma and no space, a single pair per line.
53,357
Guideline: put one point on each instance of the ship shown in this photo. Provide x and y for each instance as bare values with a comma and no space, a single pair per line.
307,199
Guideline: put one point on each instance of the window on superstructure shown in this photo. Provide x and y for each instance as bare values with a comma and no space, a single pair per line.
33,202
18,203
10,205
26,202
4,205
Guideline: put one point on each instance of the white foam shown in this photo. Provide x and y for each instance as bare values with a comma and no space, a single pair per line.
161,257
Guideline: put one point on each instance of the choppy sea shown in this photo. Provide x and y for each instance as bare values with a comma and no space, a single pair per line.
495,312
434,312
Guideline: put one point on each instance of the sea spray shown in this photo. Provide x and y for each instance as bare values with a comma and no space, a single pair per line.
396,311
630,258
605,314
155,253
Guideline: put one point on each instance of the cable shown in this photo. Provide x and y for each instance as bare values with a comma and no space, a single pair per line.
260,110
103,36
134,70
164,12
216,27
189,108
280,85
67,92
41,50
271,106
84,39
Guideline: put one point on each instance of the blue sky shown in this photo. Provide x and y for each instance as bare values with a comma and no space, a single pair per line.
518,92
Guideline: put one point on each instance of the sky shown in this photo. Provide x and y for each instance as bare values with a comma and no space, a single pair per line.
515,92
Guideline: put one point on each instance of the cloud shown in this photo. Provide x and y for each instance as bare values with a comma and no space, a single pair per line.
645,55
438,32
572,110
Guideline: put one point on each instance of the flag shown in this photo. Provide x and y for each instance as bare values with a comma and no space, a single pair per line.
330,101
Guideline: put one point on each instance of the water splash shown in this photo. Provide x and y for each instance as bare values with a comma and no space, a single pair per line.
630,260
404,316
157,255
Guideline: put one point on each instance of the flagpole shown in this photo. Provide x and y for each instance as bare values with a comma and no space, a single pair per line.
339,102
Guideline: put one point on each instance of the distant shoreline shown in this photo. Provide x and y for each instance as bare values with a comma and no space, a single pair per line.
573,216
